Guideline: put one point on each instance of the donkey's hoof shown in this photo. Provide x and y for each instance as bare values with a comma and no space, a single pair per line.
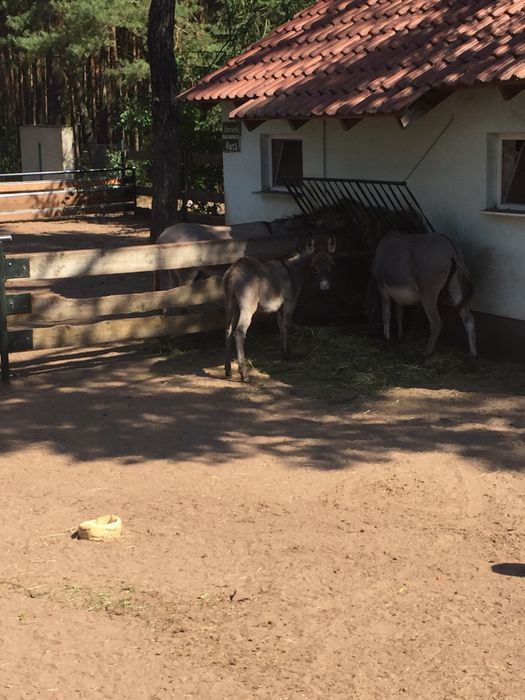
245,379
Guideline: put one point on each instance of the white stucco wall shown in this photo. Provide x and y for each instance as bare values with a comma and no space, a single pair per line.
47,148
450,183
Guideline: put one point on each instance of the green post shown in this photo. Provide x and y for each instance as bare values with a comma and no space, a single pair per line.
4,338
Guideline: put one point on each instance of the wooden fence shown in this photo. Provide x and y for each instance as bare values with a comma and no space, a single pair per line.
62,194
44,320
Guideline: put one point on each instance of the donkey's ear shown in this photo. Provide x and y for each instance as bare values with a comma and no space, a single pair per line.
310,245
332,244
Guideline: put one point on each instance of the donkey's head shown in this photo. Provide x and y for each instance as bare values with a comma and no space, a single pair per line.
320,250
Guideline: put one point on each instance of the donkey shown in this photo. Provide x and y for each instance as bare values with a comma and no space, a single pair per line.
273,286
411,269
190,232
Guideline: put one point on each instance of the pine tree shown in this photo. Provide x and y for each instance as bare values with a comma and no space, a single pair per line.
164,86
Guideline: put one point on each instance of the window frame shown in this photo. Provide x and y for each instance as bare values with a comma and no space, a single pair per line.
267,160
498,172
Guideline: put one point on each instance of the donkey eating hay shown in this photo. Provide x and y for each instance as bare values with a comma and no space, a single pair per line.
411,269
273,286
191,232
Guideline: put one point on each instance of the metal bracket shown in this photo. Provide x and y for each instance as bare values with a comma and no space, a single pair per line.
16,269
20,340
18,304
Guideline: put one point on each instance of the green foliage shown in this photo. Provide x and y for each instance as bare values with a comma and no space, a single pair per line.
210,33
240,23
88,44
196,47
73,31
136,115
9,150
207,35
131,73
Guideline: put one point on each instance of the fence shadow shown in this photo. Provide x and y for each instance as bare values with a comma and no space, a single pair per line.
128,407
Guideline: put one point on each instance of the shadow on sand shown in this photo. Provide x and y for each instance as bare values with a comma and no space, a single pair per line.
109,404
507,569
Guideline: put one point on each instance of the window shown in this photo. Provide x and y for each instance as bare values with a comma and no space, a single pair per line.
282,160
506,174
512,172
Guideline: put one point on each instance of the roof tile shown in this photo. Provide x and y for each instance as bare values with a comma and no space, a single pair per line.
356,57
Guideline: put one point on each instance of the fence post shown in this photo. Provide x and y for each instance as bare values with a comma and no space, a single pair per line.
134,183
4,338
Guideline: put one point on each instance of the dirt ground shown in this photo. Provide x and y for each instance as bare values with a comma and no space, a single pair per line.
276,543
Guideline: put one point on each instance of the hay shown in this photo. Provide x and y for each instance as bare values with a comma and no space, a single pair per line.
343,362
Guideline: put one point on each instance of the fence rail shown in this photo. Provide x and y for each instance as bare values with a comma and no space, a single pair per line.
62,193
44,320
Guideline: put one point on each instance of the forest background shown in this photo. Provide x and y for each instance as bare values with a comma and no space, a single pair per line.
84,63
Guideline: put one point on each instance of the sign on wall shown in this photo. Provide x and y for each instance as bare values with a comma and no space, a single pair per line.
229,129
231,145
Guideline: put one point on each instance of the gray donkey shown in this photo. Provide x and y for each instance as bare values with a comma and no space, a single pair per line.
273,286
190,232
411,269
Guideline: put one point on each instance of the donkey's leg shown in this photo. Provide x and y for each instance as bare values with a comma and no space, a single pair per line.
456,288
161,280
434,319
385,306
280,324
179,278
470,327
229,337
184,277
157,281
284,317
399,317
232,318
228,355
245,318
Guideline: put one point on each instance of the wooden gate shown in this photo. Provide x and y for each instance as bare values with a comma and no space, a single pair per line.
36,320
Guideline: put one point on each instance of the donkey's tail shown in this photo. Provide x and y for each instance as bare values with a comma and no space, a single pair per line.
230,303
460,285
229,300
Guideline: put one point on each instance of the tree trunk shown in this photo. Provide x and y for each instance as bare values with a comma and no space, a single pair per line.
163,69
56,107
81,108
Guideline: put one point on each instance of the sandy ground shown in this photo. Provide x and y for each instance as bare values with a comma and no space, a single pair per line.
274,545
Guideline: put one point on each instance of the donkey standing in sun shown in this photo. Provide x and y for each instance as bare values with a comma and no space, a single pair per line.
411,269
273,286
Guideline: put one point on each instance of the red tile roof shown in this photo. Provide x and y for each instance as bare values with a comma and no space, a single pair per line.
360,57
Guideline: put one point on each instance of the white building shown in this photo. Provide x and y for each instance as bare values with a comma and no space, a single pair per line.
427,93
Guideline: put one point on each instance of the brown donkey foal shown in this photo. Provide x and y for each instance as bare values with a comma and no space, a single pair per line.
273,286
